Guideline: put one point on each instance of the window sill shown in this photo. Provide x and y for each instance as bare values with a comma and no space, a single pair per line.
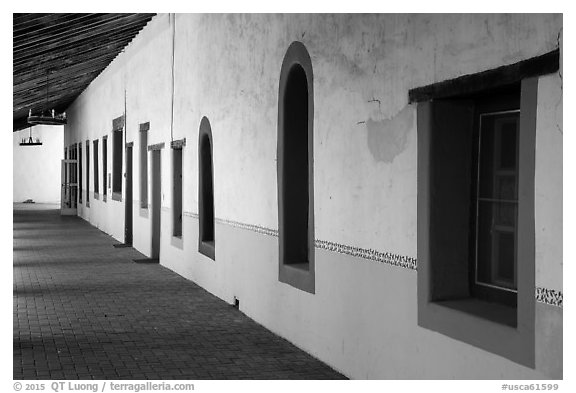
207,248
304,266
177,242
298,275
484,325
504,315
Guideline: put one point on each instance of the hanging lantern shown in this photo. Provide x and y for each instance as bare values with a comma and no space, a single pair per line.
30,141
47,117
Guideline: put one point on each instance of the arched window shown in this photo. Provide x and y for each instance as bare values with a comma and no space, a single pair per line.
295,169
205,190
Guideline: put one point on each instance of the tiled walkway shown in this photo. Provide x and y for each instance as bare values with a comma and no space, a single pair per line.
84,310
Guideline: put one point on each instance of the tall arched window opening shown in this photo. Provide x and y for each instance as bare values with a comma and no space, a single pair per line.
295,170
206,244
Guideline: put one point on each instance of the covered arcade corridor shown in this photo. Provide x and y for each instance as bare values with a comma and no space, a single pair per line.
84,309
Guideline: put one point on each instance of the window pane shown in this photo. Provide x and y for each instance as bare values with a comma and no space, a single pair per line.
505,248
498,156
497,202
508,126
505,187
496,237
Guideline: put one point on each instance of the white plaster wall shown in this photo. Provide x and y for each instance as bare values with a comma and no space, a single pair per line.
362,319
37,169
548,182
138,84
365,134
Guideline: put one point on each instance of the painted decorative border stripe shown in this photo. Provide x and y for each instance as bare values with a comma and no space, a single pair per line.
382,257
549,296
190,214
373,255
543,295
250,227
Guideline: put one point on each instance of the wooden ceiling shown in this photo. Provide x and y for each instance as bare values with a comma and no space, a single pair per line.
69,49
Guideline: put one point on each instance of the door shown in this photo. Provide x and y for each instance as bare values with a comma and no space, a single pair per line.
128,204
69,185
156,203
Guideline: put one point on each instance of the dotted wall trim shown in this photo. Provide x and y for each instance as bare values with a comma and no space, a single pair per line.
543,295
549,296
254,228
373,255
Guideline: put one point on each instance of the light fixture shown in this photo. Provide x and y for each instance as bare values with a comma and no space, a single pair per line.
47,117
30,141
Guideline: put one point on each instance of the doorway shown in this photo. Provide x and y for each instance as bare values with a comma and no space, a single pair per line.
156,187
128,205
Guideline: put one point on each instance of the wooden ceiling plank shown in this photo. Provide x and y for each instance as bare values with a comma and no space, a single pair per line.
41,104
61,24
86,50
65,73
94,31
30,88
118,33
99,21
22,29
40,91
24,21
85,46
68,57
37,104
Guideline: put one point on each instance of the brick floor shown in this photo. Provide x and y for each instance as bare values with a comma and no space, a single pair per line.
84,310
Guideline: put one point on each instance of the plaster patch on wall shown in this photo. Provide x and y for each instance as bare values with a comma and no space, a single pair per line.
388,138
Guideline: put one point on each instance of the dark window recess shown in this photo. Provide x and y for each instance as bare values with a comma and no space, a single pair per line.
80,173
66,166
143,168
295,185
104,166
87,173
96,177
473,206
476,155
177,193
295,174
117,146
206,244
72,153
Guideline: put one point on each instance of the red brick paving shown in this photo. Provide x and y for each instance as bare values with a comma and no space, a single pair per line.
84,310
